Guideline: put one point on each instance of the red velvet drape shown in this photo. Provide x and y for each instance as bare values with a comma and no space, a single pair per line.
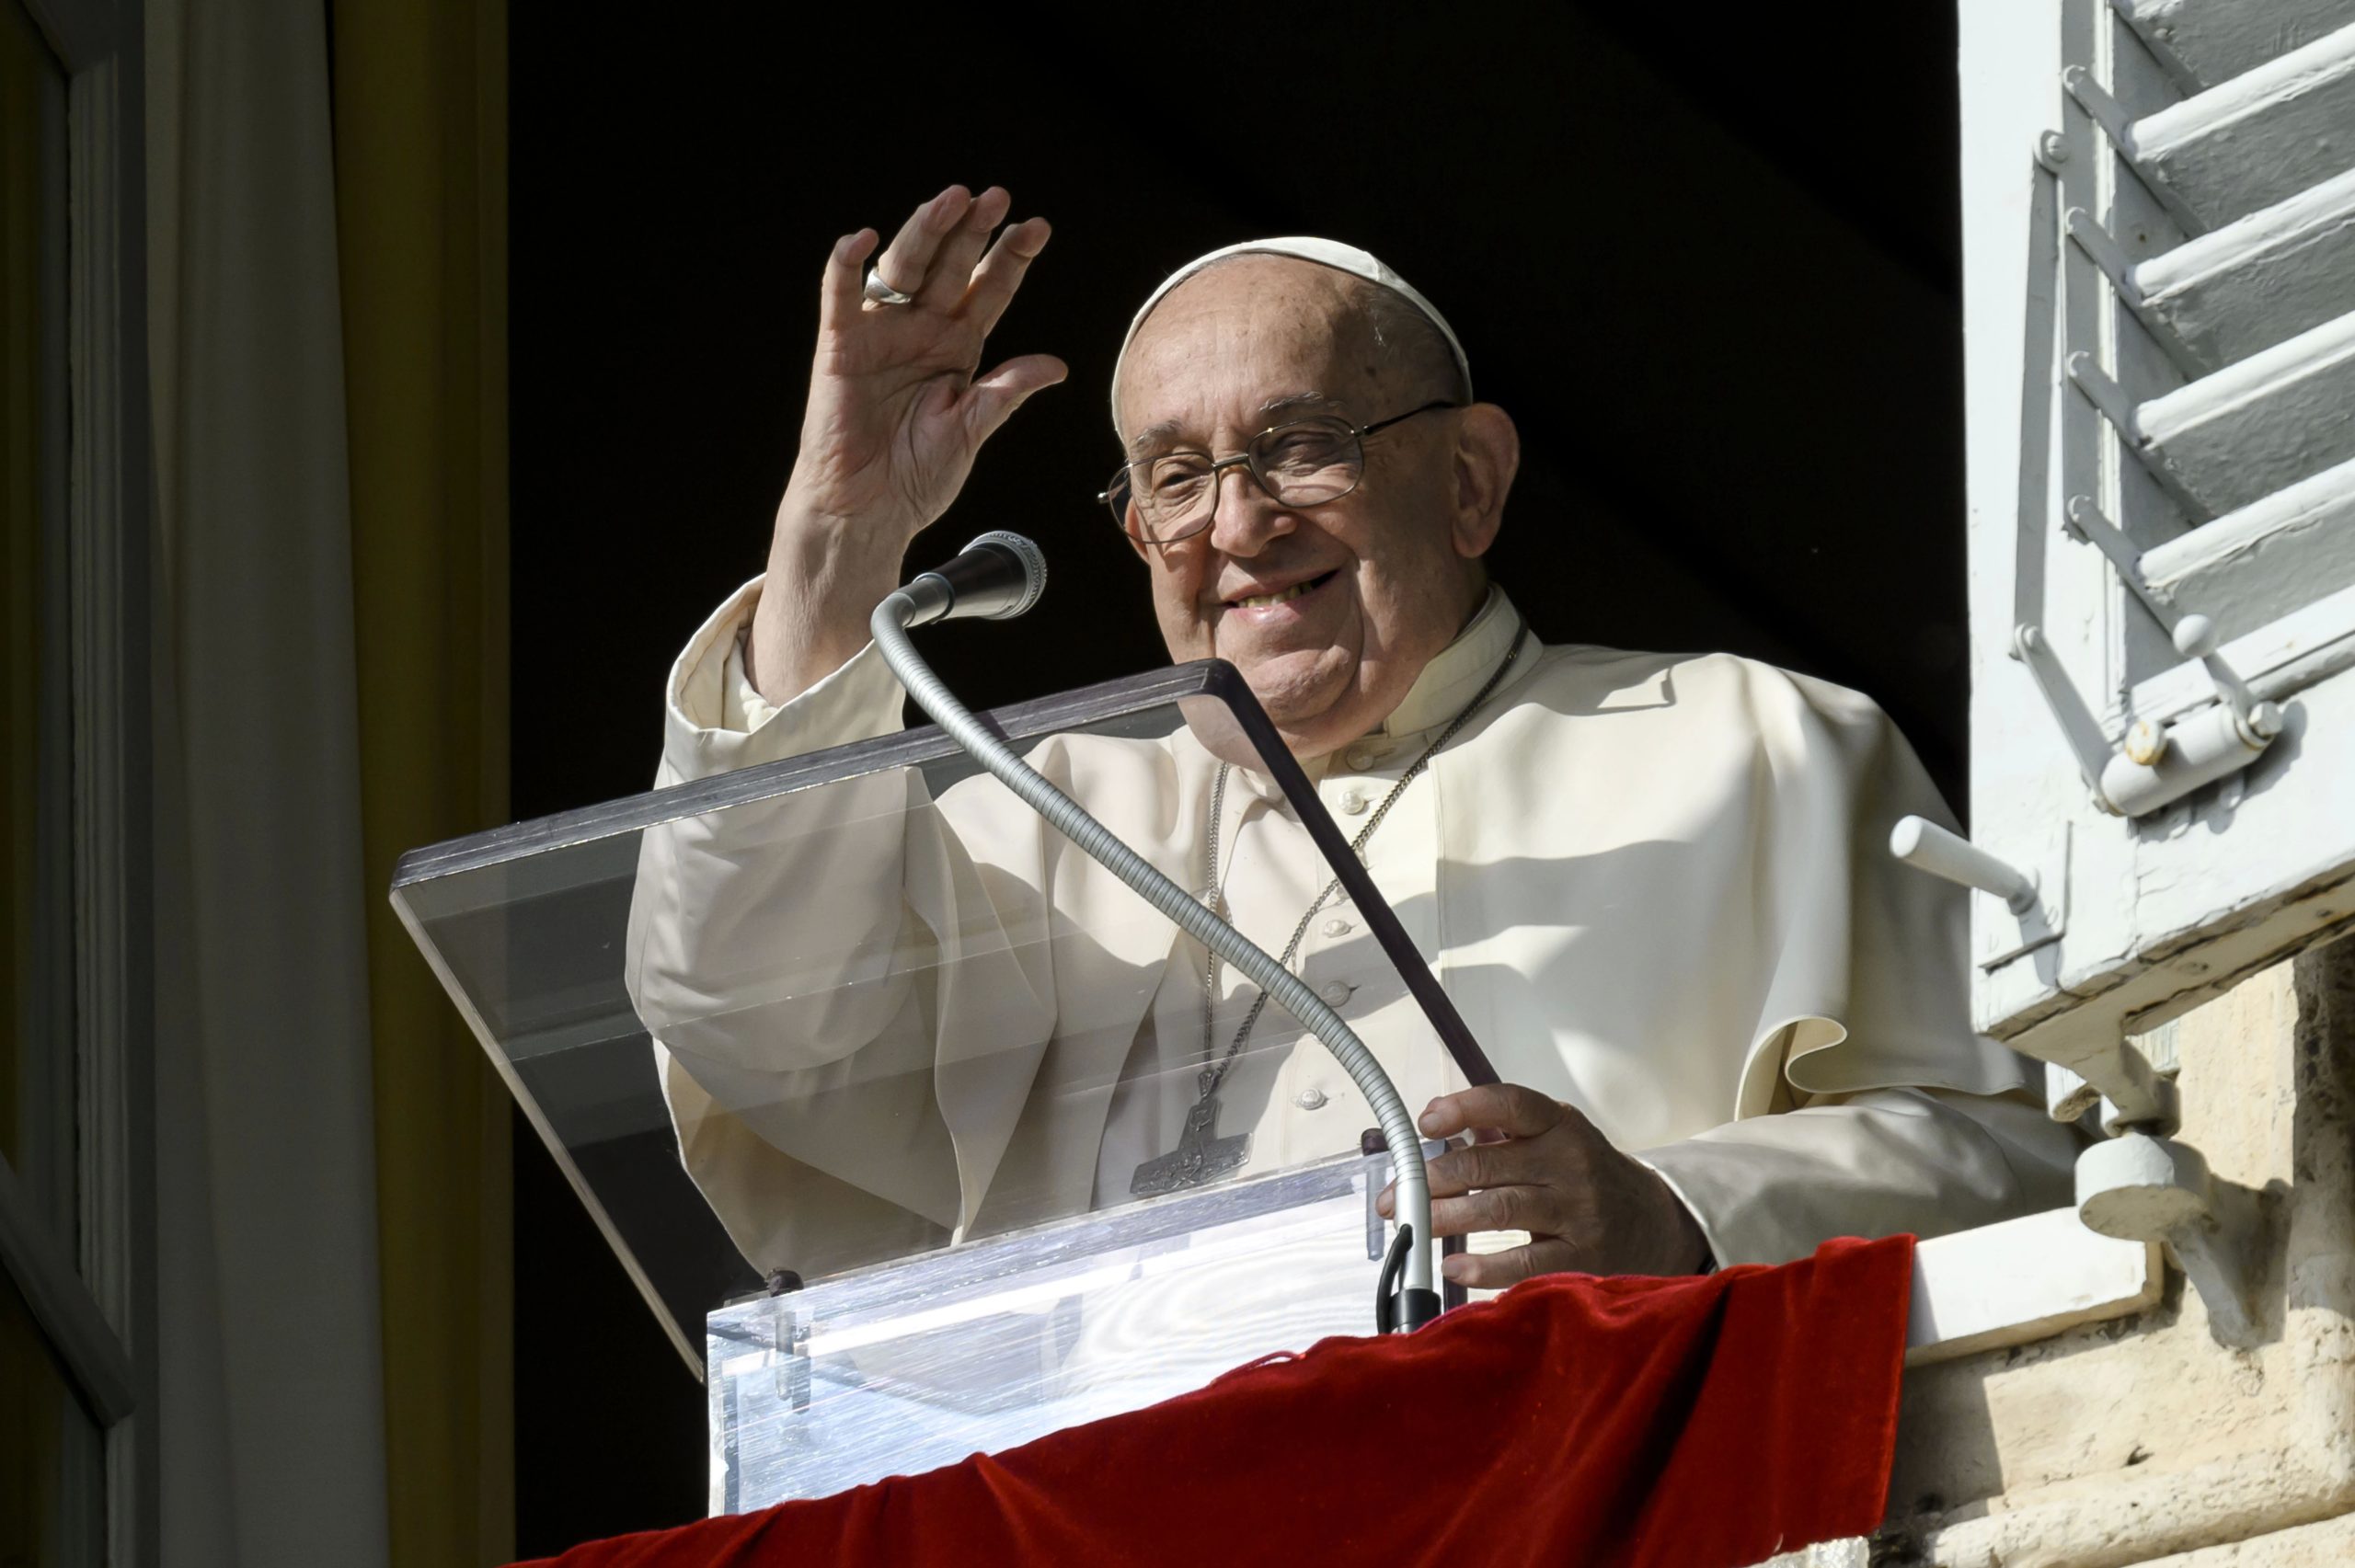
1678,1423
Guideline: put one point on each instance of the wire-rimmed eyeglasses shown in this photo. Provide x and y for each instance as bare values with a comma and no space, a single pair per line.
1305,463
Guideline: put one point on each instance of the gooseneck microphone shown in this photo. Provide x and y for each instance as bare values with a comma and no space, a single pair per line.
997,578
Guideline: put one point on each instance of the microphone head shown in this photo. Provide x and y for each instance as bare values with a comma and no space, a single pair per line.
1032,561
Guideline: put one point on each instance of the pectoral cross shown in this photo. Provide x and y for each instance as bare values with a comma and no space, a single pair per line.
1199,1156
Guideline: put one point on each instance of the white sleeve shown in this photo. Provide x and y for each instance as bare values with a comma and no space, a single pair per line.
1873,1163
731,907
714,720
788,956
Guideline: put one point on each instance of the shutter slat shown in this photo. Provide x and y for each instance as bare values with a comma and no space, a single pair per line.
2258,139
2279,416
2208,41
2256,283
2239,569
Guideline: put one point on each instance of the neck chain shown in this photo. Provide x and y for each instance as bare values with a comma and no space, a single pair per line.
1201,1155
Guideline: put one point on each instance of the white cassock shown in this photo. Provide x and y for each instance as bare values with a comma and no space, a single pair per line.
1655,886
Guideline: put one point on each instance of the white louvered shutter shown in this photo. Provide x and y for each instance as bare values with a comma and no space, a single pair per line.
2159,320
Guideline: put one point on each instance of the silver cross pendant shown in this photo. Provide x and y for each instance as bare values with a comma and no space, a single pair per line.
1198,1157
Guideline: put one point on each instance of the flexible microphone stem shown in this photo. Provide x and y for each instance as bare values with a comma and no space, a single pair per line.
1418,1300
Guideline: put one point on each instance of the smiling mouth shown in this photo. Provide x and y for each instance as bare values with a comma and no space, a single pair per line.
1265,601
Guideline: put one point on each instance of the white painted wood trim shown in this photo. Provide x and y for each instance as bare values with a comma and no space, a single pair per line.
2257,280
100,44
2251,142
79,1335
2208,41
2251,567
2277,661
2024,1279
2266,422
2326,501
108,720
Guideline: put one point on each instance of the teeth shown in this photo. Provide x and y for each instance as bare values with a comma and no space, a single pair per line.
1257,601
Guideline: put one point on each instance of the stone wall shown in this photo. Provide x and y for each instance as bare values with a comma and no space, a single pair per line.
2144,1440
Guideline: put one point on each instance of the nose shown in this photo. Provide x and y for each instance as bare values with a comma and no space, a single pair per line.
1244,517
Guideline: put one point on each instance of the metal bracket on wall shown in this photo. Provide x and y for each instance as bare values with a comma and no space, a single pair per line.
2080,731
2118,124
2132,1094
2142,1187
2103,392
2098,243
2154,764
2193,634
2159,763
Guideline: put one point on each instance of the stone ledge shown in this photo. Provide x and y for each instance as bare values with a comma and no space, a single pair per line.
2023,1280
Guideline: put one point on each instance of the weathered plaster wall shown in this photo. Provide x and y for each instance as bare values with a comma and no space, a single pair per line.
2330,1544
2127,1442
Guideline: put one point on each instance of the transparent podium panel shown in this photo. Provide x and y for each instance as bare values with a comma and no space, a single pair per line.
902,1368
858,1025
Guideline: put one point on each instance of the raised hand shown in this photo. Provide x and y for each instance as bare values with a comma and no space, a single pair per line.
897,409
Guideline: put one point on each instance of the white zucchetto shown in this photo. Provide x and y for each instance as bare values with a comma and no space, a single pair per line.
1325,253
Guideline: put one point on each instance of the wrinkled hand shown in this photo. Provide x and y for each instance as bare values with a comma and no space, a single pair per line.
1540,1166
898,407
897,404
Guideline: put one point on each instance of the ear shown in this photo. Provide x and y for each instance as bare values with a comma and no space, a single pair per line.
1488,455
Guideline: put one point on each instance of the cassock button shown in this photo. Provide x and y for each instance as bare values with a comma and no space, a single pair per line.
1310,1099
1363,755
1337,992
1336,927
1354,802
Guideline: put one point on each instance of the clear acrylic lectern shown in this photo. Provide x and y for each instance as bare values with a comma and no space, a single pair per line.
855,1062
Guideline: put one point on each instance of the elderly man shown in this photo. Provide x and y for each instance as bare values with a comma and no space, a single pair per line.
1729,1026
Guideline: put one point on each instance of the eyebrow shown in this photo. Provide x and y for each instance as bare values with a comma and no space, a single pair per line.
1274,411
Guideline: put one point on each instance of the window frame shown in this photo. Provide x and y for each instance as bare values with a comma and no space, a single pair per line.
94,1301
